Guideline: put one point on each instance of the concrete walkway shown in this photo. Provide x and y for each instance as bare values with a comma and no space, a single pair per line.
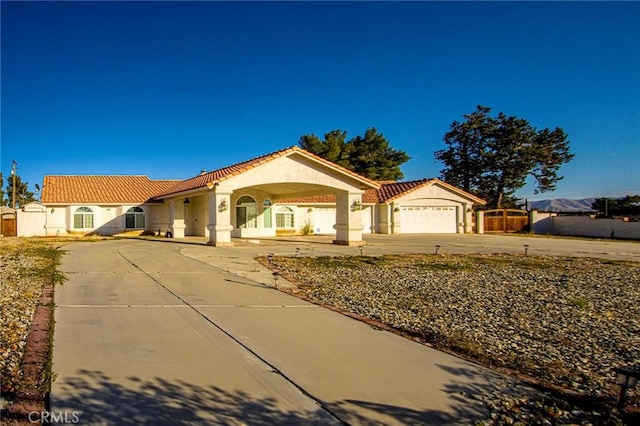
169,332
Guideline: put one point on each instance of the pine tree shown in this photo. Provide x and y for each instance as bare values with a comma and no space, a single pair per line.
370,155
492,157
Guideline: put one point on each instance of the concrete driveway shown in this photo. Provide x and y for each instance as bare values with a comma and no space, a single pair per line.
146,333
158,332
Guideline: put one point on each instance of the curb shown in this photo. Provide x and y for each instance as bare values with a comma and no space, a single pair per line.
35,384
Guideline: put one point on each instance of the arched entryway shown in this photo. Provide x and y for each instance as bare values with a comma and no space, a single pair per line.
242,200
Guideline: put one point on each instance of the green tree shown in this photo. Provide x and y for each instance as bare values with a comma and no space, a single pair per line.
334,147
463,160
492,157
3,201
23,195
369,155
626,206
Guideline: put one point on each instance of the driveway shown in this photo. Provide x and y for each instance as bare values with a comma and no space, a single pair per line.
160,333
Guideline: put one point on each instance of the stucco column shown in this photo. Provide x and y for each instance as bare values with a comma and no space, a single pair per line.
465,218
480,222
219,218
176,218
349,218
396,223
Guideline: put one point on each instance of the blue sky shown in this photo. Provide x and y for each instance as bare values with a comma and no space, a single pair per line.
166,89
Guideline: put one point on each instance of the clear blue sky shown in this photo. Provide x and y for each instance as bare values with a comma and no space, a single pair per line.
166,89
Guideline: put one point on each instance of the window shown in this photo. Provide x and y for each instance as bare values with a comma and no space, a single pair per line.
284,218
134,218
266,213
247,212
83,218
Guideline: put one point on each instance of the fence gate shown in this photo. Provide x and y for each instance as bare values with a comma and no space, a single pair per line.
9,225
505,220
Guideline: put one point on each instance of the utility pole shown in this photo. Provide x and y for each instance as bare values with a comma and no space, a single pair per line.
14,166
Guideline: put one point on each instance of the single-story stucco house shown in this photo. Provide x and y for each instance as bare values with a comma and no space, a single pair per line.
278,193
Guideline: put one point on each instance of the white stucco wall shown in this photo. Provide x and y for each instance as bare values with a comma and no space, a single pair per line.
584,226
305,213
56,220
158,217
31,220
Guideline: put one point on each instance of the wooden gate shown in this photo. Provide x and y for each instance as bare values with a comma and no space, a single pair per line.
9,225
505,220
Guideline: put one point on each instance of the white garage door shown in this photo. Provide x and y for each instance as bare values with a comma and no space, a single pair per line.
366,219
428,220
323,220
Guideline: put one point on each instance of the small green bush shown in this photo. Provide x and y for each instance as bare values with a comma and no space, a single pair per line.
307,229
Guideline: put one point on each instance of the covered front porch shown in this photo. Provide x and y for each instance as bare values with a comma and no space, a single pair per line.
229,203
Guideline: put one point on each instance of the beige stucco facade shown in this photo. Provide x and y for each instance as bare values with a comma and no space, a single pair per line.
264,197
216,210
36,219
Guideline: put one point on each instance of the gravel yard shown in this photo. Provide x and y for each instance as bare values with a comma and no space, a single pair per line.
25,267
563,322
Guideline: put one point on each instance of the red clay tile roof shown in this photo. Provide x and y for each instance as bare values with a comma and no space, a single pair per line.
387,192
219,175
390,192
102,189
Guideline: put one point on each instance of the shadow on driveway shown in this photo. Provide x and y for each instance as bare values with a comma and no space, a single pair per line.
92,397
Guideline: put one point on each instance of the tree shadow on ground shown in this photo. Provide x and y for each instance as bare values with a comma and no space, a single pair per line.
95,398
467,391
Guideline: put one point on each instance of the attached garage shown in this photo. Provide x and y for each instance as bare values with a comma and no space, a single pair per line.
426,206
428,220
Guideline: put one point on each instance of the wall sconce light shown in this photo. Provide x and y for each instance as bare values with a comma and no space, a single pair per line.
357,205
187,201
396,210
626,378
309,210
469,210
222,207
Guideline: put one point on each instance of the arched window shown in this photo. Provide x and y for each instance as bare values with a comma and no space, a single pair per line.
246,212
83,218
266,213
134,218
284,218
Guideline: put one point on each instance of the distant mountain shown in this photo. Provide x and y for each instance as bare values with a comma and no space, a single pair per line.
563,205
